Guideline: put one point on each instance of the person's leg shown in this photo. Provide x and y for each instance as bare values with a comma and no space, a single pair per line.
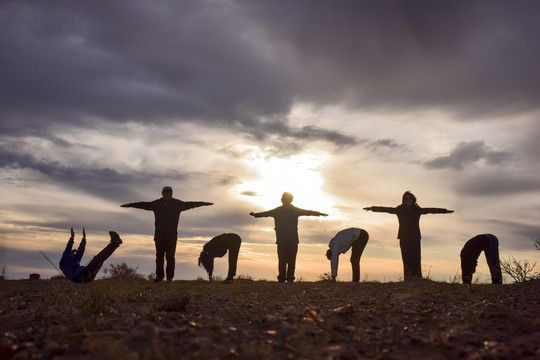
358,247
492,258
468,265
90,271
234,249
170,253
292,250
282,264
160,259
410,254
416,260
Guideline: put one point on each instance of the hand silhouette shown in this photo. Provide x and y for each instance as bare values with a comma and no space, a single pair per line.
83,234
72,233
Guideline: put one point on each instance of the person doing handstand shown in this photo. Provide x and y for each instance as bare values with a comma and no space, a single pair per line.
218,247
71,258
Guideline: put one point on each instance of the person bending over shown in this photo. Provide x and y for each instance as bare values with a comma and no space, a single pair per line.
218,247
354,238
489,244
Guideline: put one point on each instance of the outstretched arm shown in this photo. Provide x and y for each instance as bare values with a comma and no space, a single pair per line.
262,214
436,211
195,204
140,205
69,244
313,213
384,209
82,247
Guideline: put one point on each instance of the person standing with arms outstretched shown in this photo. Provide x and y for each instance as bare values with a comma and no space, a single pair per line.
70,263
167,214
408,214
344,240
286,226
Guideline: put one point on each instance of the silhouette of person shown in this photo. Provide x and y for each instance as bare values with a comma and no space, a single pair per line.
167,214
354,238
489,244
408,214
218,247
70,261
286,226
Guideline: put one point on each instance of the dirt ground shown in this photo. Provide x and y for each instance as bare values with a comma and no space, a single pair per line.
136,319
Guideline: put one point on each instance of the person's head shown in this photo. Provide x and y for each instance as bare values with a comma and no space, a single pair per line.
167,192
468,266
408,198
286,198
207,262
329,254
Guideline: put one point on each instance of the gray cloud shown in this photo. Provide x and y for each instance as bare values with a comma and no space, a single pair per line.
385,144
467,153
104,182
247,63
496,184
460,56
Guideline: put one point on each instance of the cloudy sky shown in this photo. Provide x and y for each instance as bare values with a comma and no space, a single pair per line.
344,104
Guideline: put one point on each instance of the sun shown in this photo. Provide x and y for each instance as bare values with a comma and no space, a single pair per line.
298,174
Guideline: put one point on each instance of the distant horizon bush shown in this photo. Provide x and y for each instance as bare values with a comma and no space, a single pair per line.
123,271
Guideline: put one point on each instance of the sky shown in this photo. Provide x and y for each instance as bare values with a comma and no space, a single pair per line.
344,104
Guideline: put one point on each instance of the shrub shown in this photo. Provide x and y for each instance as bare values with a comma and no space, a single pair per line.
519,271
326,277
123,271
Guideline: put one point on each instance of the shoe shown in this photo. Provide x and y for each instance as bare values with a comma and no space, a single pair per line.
169,281
115,238
157,280
227,281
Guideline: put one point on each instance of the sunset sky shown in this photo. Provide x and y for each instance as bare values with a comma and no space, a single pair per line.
344,104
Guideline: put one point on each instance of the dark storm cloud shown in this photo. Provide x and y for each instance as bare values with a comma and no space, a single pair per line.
462,56
467,153
104,182
241,62
133,61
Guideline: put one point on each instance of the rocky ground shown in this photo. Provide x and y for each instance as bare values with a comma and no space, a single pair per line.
136,319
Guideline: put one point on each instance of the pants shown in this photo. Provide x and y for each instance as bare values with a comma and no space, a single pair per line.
234,249
410,254
358,247
165,250
88,274
286,261
469,260
492,258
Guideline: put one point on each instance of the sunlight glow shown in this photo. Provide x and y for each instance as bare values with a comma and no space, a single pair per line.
298,174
